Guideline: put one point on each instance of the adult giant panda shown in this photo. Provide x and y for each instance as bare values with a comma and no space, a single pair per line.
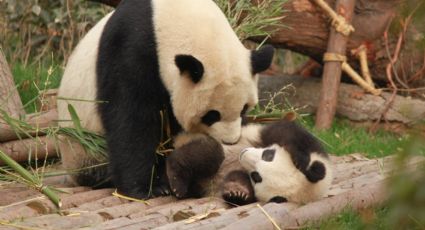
148,62
278,162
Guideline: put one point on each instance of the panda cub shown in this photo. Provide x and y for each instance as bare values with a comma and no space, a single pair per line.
279,162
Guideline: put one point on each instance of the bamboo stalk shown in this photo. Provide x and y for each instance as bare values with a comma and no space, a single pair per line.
364,66
338,22
33,181
359,80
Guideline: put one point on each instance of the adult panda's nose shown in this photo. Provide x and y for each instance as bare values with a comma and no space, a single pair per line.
227,133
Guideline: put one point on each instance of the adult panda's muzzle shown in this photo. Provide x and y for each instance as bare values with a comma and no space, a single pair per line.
227,133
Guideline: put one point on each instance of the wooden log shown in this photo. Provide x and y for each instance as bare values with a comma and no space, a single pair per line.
103,203
167,213
56,221
23,195
10,101
146,222
360,198
170,209
40,120
84,197
332,69
38,205
133,207
353,103
306,31
218,222
29,149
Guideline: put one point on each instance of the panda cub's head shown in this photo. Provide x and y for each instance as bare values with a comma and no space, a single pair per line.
275,178
216,89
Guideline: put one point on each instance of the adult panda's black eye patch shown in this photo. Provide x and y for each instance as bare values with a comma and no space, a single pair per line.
191,65
268,155
255,176
211,117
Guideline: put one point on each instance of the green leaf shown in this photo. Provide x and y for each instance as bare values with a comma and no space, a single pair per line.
75,119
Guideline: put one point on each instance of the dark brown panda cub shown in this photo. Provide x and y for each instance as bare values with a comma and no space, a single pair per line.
196,159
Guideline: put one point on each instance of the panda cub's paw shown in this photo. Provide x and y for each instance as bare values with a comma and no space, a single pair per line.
161,187
178,178
237,188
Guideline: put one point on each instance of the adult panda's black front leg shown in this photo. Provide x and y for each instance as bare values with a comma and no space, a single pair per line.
133,135
132,95
197,157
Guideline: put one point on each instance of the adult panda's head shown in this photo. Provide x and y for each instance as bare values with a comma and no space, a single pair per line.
276,178
213,94
209,74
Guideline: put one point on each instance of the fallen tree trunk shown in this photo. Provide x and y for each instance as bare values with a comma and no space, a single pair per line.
356,199
29,149
353,103
306,31
38,120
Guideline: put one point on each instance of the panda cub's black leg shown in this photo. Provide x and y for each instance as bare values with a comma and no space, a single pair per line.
237,188
198,158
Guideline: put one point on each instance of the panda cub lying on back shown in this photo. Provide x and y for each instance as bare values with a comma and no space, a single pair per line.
278,163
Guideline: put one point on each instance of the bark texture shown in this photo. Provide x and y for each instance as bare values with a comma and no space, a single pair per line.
332,69
10,101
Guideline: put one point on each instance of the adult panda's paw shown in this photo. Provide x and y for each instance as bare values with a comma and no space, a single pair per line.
237,188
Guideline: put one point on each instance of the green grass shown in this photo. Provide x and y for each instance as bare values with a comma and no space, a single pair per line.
344,139
34,78
349,220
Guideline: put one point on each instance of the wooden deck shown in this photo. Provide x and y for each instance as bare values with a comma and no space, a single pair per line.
359,182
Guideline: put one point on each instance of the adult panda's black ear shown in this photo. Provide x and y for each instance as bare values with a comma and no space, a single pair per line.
190,66
261,59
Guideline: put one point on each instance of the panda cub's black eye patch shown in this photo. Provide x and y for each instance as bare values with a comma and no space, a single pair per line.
268,155
255,176
278,199
211,117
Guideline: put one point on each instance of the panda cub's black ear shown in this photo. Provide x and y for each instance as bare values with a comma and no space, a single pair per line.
261,59
188,64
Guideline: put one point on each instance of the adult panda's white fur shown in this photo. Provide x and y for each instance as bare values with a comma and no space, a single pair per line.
78,84
149,56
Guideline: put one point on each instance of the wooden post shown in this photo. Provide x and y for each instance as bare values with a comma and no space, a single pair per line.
337,44
9,96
